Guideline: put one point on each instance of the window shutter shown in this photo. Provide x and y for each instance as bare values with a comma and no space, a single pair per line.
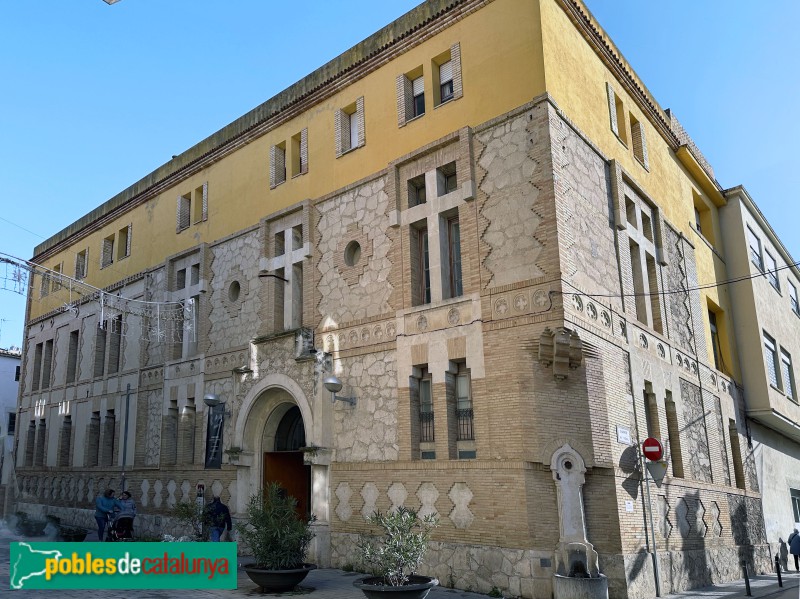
612,108
361,133
446,72
273,150
455,59
404,98
184,216
418,86
108,252
304,151
128,240
342,132
205,206
640,143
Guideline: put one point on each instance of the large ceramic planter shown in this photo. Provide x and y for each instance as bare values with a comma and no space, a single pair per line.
278,581
374,587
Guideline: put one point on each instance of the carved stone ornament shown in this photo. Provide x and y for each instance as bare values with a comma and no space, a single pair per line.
562,348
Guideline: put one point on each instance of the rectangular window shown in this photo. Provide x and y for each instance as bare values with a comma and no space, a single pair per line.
107,255
425,410
454,256
124,242
464,413
57,280
81,262
47,363
771,356
787,374
416,191
754,243
418,97
12,423
794,494
772,270
44,290
100,350
349,127
639,142
72,357
446,179
114,356
200,204
180,279
37,366
184,212
712,323
299,156
446,81
16,373
277,166
673,430
793,298
736,454
651,412
424,267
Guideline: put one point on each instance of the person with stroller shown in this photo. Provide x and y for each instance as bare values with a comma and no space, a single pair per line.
125,512
104,508
219,519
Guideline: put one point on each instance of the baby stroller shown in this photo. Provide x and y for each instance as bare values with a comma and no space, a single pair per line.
119,529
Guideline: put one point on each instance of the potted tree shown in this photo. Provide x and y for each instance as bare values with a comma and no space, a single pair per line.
278,540
395,555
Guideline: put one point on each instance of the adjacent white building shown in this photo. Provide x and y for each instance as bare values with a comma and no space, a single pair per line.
9,385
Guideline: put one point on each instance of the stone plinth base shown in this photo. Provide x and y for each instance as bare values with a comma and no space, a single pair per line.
568,587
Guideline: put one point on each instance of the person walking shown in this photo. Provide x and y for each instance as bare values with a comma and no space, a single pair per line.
794,548
126,512
103,510
219,518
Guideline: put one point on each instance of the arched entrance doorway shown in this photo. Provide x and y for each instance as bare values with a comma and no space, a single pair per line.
284,462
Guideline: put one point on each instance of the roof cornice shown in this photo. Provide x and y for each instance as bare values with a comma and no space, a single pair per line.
417,25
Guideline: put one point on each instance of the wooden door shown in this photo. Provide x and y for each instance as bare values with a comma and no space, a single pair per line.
288,470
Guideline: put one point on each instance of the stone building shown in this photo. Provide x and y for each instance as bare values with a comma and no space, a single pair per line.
480,221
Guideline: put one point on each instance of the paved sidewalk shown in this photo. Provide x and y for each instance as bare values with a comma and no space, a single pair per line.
328,583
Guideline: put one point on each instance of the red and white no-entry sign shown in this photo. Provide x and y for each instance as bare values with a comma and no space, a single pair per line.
652,449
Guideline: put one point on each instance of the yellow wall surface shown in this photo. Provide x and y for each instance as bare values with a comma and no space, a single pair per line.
576,79
238,185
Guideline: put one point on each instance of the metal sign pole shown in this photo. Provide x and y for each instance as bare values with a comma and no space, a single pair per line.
652,529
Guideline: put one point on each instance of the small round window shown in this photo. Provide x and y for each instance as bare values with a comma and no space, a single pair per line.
352,253
233,291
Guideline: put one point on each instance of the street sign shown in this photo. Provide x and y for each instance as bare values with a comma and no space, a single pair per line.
657,471
652,449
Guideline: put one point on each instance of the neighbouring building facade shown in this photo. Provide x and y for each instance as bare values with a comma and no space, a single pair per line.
481,222
10,368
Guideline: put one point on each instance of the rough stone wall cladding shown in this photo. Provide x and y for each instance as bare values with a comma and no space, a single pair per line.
696,435
675,278
513,176
587,245
366,208
153,353
276,355
368,432
232,322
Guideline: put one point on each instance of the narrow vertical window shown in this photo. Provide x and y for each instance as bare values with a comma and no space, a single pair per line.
712,323
124,242
299,153
454,255
184,212
425,409
100,350
47,362
676,457
93,441
736,454
416,191
12,423
754,243
446,81
651,412
64,457
81,264
771,356
40,455
353,130
446,179
772,270
114,356
72,357
277,166
200,204
37,366
464,412
793,298
787,374
424,267
418,96
107,254
794,494
109,438
639,142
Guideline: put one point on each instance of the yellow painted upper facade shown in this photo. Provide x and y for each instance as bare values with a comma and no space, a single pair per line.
511,52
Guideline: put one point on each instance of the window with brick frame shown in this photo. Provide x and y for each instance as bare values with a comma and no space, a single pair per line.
446,179
348,127
426,426
72,356
299,153
639,142
277,164
410,96
107,252
616,112
58,281
200,203
421,266
793,298
787,375
452,263
771,357
446,68
772,270
81,264
184,216
124,242
416,191
464,411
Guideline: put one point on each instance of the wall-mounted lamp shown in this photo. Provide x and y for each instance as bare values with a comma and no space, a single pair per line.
265,273
212,400
242,370
334,385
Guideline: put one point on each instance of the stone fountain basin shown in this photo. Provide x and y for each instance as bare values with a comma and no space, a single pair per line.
573,587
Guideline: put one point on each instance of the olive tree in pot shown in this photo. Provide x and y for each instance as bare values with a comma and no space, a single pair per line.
278,539
395,555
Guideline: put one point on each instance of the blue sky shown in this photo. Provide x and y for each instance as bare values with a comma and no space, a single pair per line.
94,97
